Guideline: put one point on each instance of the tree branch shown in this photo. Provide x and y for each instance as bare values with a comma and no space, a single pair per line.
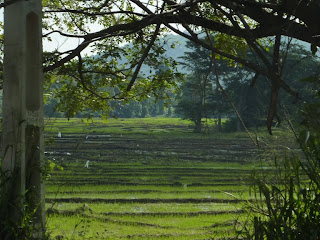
63,34
93,13
84,85
66,59
143,57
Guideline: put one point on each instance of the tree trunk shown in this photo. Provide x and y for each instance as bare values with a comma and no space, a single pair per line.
240,106
219,121
197,127
198,118
218,93
238,125
23,118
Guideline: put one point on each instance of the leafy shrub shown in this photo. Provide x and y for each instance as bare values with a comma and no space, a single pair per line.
289,206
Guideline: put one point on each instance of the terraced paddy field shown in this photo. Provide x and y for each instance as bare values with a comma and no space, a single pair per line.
147,179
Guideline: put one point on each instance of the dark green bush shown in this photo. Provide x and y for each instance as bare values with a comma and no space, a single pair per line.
288,206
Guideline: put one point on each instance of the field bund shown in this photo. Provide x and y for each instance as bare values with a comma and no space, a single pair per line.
146,179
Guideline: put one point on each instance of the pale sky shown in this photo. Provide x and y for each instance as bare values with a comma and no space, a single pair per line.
59,42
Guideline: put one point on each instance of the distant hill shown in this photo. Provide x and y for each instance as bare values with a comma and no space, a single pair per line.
176,52
180,48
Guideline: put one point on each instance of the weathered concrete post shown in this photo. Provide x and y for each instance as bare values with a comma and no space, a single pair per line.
23,111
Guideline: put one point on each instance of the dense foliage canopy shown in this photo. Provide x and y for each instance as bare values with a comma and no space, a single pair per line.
203,94
125,35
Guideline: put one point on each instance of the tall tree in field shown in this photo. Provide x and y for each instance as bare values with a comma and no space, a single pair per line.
194,100
201,96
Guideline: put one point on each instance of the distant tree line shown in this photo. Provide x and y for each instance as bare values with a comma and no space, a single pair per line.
201,97
149,107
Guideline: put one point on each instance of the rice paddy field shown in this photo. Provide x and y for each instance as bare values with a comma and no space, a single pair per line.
146,179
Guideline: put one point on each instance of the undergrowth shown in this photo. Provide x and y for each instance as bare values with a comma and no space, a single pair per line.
289,206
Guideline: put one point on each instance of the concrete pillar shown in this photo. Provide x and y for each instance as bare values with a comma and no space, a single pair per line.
23,111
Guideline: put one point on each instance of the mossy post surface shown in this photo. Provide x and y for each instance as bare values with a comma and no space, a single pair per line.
22,138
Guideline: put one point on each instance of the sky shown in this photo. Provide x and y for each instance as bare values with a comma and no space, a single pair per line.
59,42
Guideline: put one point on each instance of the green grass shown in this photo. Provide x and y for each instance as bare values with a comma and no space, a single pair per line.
156,126
115,227
118,126
150,208
106,228
147,179
155,195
